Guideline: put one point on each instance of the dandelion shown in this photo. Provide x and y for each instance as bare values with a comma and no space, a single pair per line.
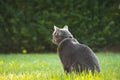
24,51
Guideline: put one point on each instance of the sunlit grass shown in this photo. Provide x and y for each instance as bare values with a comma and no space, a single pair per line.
48,67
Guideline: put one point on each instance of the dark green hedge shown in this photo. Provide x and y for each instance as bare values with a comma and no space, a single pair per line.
28,24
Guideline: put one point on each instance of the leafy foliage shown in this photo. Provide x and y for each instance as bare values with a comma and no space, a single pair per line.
29,24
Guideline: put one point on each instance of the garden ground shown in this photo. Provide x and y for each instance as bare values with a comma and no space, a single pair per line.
48,67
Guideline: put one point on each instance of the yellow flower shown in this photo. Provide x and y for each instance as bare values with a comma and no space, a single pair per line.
24,51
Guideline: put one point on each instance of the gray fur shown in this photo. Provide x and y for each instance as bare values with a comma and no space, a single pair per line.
73,55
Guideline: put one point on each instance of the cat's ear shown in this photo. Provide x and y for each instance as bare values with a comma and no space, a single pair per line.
65,27
55,28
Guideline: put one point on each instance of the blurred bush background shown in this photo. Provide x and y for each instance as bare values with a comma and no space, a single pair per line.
27,25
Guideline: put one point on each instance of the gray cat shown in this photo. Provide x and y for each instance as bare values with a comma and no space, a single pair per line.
73,55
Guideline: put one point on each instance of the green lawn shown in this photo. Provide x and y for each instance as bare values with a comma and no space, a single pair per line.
48,67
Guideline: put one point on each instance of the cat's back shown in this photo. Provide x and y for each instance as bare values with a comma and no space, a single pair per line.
72,48
71,45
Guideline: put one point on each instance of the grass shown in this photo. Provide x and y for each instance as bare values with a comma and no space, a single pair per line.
48,67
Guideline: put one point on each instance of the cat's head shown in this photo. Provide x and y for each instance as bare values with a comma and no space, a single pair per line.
61,33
